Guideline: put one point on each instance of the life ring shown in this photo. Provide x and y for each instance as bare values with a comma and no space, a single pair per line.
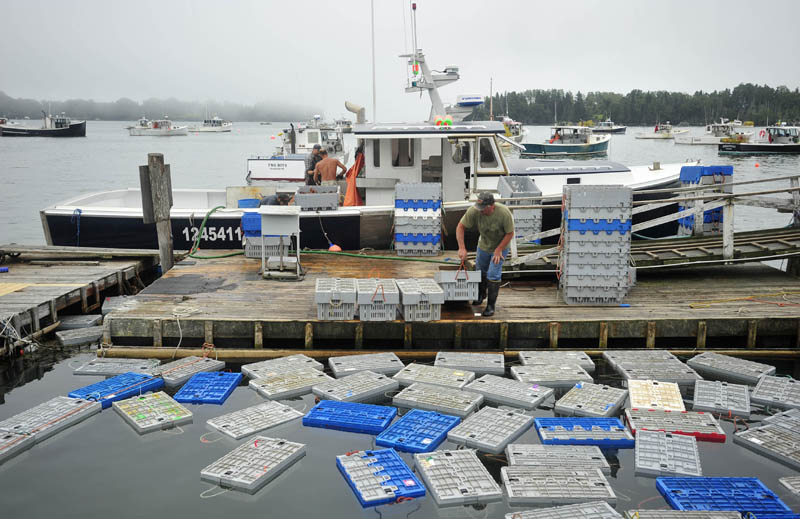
762,133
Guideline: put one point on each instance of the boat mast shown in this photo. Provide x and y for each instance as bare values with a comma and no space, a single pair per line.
374,94
491,101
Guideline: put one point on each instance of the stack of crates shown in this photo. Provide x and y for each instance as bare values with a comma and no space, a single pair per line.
704,176
526,221
336,299
596,244
418,219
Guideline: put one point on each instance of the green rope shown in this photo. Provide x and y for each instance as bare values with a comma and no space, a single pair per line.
196,244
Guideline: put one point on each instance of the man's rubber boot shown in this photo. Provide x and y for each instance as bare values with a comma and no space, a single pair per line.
492,290
481,291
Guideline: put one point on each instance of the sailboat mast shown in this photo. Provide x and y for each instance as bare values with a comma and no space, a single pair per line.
491,101
374,94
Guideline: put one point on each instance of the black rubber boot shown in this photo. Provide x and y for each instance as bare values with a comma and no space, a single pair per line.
492,289
481,291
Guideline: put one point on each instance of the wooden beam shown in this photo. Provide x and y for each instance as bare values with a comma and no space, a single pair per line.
408,336
258,335
208,332
554,328
752,330
650,341
602,341
702,331
358,340
157,338
457,328
309,336
503,342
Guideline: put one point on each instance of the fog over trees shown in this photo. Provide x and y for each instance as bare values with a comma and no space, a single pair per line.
125,109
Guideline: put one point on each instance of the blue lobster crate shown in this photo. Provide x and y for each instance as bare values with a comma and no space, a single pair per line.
621,226
212,387
350,416
417,238
748,496
582,426
418,431
251,224
248,203
418,204
118,388
391,480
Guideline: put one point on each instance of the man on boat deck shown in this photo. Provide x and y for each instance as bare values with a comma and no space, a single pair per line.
311,162
277,199
326,170
495,224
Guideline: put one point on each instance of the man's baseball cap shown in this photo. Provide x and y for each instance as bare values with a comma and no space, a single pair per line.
485,199
317,147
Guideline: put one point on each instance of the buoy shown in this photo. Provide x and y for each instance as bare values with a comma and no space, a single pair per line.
334,248
757,165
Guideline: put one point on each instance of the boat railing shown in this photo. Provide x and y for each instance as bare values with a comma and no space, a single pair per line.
704,198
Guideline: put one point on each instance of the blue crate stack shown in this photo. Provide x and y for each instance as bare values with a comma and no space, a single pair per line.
607,433
704,176
418,219
596,244
526,221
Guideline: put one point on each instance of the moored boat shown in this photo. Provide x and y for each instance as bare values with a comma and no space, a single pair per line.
716,133
661,131
775,140
608,126
213,125
569,141
52,126
160,128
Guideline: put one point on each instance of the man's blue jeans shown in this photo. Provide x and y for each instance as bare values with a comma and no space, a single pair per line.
483,260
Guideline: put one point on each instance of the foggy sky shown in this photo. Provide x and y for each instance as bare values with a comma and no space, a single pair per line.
318,52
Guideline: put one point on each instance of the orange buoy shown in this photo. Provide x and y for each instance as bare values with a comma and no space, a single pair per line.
757,165
334,248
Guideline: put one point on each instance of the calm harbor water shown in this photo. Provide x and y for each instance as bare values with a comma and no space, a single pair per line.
101,467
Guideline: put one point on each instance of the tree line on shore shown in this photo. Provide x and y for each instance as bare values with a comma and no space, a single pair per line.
125,109
748,102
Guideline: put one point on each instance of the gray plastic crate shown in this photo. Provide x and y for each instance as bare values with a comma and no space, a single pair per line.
317,198
558,358
731,369
616,357
51,417
791,482
593,510
177,372
598,214
721,397
665,454
478,363
652,394
676,372
789,419
517,186
550,375
549,457
335,298
12,444
587,278
779,392
440,399
112,367
255,419
595,433
73,322
421,299
458,284
701,425
152,412
414,220
417,249
490,429
503,391
418,191
587,399
774,442
280,365
253,464
676,514
595,258
434,375
533,216
582,295
457,477
533,486
290,384
577,271
252,246
593,195
378,299
363,387
387,363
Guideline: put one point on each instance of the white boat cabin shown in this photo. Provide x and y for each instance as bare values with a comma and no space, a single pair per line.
215,122
783,134
455,155
570,135
302,139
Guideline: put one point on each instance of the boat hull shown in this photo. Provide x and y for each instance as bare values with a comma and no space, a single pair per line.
74,130
158,132
755,148
620,130
564,150
213,129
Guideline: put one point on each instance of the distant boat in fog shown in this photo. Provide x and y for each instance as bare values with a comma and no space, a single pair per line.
213,125
160,128
52,126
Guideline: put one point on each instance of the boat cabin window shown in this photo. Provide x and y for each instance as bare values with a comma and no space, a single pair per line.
487,156
402,153
461,152
313,137
376,153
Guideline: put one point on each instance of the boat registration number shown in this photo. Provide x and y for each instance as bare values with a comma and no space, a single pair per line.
213,234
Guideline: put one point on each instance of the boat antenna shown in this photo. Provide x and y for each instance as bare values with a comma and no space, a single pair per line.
374,94
414,26
491,101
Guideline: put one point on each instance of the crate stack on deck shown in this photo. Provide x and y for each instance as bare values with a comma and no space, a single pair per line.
704,176
526,221
418,219
596,243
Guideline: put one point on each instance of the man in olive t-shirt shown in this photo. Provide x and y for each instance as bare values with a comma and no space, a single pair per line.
495,223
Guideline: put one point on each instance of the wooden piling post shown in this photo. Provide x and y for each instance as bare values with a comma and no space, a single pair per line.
752,333
602,342
156,186
727,229
554,328
650,340
793,264
702,333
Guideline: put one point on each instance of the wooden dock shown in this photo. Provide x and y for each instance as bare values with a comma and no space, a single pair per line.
226,302
42,281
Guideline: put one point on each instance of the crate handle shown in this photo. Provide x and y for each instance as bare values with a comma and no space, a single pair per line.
461,268
383,292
